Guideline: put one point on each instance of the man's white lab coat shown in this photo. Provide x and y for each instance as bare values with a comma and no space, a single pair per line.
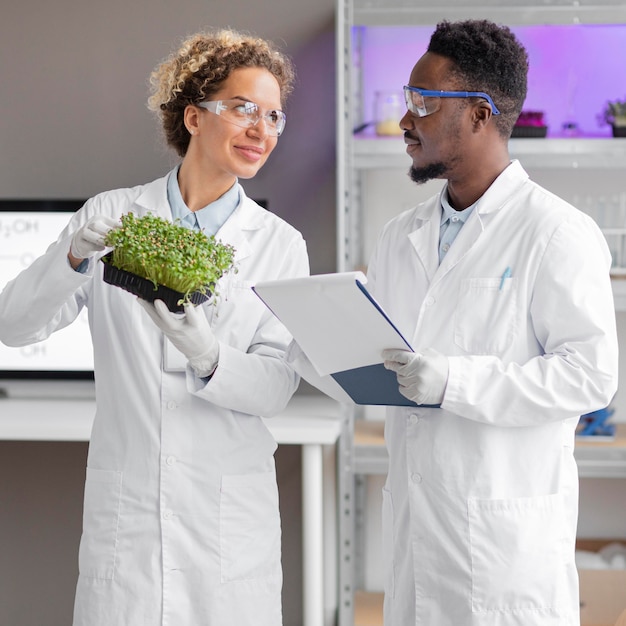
480,502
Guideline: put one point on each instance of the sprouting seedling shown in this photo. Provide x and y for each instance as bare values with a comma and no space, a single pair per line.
169,254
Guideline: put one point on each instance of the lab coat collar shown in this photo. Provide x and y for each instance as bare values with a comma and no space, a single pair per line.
153,199
246,217
502,189
425,235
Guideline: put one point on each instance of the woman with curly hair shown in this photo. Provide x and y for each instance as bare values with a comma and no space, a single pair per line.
181,521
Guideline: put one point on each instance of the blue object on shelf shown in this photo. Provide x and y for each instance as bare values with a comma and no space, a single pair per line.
594,424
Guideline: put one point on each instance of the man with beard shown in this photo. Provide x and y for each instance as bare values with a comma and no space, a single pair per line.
503,290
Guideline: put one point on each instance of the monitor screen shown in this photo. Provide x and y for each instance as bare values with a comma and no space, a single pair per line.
27,228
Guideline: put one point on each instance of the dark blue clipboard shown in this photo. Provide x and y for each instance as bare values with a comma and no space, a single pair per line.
369,384
373,384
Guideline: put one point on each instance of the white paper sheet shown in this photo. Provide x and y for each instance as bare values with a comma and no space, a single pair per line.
334,320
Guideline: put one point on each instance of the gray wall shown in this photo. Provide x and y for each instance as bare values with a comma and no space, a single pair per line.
74,87
73,123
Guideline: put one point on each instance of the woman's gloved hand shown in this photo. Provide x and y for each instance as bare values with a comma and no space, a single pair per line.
190,333
89,238
422,377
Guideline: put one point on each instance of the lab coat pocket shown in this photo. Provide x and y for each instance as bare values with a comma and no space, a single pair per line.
485,321
388,543
249,527
517,552
101,511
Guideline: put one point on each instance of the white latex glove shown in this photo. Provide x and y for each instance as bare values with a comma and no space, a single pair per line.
190,333
89,238
422,377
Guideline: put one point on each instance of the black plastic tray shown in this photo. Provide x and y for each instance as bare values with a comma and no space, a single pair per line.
520,132
145,289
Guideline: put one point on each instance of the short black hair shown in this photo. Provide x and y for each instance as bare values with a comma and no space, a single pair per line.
488,57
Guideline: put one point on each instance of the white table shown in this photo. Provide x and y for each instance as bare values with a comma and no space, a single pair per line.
309,421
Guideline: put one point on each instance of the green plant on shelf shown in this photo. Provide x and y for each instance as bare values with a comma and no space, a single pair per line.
169,254
614,113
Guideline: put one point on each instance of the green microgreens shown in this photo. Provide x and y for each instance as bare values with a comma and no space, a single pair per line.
169,254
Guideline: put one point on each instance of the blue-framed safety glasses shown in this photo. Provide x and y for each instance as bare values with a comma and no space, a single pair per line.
423,102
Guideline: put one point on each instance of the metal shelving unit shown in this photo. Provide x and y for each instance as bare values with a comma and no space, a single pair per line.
593,153
595,459
356,155
409,12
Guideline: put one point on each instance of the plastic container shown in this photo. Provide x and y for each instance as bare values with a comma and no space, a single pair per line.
530,124
145,288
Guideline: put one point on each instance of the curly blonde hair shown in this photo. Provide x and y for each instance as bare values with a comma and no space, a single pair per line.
199,67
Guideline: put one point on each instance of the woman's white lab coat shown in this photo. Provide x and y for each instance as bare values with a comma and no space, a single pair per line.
480,502
181,521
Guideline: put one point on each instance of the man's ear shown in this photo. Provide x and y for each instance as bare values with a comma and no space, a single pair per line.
481,114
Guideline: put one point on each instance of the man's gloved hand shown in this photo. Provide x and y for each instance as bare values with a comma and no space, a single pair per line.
190,333
89,238
422,377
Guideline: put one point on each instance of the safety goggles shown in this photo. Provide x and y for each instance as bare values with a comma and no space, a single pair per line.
246,114
423,102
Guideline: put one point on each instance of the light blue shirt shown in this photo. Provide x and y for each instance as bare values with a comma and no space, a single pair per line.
208,219
451,223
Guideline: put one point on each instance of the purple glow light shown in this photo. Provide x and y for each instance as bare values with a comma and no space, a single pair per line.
573,71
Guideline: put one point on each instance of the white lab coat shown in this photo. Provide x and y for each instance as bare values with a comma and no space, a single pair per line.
181,523
480,502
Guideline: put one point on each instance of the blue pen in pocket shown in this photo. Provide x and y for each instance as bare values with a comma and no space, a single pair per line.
505,275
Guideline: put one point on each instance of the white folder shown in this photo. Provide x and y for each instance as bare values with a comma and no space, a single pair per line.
341,329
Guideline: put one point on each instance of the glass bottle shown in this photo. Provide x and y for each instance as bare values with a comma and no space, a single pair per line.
389,108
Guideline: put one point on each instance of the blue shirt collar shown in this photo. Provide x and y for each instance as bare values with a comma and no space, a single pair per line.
447,211
210,218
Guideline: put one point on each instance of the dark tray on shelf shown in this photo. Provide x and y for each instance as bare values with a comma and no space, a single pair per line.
523,132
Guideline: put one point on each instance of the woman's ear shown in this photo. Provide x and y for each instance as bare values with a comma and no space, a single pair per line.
192,119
